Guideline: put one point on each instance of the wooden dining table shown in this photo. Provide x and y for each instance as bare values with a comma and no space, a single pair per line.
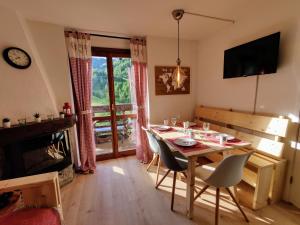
207,143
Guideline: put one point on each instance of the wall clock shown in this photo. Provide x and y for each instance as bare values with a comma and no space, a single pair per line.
17,57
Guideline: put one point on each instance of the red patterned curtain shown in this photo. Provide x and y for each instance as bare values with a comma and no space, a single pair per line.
79,49
139,61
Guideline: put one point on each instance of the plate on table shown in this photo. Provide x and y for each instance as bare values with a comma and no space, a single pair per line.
162,128
185,142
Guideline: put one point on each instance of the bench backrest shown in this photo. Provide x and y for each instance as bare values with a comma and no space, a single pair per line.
263,132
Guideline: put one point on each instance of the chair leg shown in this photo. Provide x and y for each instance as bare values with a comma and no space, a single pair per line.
237,204
173,190
203,189
162,179
152,161
157,169
217,206
156,160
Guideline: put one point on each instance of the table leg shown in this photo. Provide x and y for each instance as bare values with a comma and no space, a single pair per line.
190,186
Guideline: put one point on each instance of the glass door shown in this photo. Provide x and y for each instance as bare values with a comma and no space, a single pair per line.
125,115
114,118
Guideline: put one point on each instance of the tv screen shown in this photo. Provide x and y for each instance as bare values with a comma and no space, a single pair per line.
253,58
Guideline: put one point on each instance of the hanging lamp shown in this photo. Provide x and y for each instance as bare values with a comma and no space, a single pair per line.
177,15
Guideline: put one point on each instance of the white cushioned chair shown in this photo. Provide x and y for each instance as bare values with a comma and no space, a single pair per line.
225,174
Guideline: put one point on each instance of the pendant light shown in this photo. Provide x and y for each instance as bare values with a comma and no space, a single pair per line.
178,14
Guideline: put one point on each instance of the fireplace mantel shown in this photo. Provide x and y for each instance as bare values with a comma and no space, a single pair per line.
30,130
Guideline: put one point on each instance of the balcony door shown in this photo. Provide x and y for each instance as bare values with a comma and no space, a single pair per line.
113,115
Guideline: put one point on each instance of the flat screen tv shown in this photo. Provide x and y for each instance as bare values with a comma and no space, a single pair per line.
253,58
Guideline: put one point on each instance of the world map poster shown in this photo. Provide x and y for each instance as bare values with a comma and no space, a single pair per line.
166,82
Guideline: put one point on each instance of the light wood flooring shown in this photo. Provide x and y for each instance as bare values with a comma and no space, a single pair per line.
121,192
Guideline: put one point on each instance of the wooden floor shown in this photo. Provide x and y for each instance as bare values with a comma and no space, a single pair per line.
121,192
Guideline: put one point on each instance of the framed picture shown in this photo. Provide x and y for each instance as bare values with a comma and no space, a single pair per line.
166,81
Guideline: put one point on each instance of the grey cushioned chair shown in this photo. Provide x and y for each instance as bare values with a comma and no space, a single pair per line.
173,163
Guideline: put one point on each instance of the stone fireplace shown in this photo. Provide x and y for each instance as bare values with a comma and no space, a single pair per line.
37,148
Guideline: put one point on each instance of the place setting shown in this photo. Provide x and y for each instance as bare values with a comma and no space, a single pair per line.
223,139
187,144
162,128
166,125
190,138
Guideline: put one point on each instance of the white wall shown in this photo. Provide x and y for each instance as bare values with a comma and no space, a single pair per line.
277,93
50,43
22,92
163,52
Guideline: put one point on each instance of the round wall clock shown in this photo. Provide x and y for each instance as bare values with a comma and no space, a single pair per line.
17,57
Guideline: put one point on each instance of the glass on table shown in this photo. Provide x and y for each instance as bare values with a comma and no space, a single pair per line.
173,121
166,122
190,134
222,138
205,126
186,124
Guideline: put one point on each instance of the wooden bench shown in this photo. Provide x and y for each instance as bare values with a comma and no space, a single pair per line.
265,171
38,191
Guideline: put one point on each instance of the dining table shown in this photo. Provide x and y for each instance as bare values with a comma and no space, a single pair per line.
208,142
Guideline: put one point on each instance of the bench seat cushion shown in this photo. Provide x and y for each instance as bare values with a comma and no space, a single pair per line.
32,216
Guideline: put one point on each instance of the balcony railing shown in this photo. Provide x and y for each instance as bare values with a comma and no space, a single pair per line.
102,124
121,110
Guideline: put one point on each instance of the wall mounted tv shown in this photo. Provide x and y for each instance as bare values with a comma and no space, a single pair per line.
253,58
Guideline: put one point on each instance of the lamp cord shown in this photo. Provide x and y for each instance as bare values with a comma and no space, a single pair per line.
178,60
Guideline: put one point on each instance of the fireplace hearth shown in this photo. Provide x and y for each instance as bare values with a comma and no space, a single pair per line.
37,148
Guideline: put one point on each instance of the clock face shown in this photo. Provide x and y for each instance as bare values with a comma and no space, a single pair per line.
17,58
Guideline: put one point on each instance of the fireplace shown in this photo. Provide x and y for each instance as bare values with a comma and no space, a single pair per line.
37,148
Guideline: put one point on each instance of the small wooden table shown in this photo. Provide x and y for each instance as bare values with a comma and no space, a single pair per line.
193,153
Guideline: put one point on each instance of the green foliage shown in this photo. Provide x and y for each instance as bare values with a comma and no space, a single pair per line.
121,83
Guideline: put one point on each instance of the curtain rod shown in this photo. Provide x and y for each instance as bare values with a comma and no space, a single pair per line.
110,36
